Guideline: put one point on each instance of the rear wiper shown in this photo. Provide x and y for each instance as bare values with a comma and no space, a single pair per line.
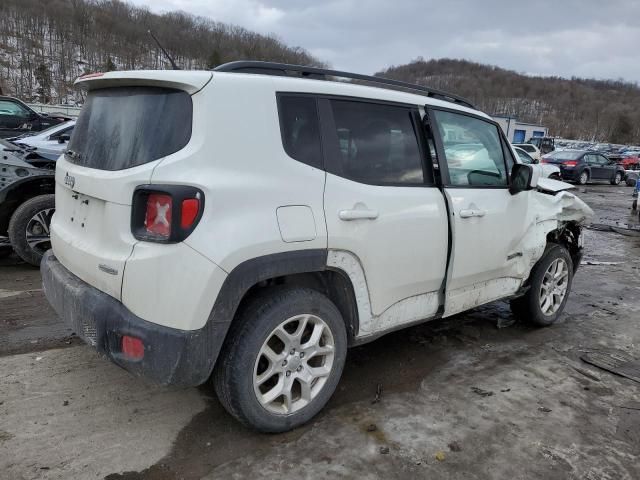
72,154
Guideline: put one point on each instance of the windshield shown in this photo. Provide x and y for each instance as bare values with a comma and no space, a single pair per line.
48,131
524,157
124,127
566,154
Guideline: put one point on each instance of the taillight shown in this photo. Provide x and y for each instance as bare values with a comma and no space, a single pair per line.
570,163
157,219
189,212
165,213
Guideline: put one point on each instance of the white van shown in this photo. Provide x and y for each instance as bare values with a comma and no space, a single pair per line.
251,223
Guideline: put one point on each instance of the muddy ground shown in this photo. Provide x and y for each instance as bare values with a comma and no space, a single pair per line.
460,398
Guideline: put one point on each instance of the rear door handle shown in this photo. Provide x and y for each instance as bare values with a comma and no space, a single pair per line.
472,213
348,215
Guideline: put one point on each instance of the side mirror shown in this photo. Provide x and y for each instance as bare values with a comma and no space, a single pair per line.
523,177
64,138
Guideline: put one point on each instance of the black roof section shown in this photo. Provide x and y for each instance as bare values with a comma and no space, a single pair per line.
284,70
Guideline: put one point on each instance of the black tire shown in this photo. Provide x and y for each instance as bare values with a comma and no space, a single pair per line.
233,376
634,205
630,181
528,306
583,178
21,220
617,178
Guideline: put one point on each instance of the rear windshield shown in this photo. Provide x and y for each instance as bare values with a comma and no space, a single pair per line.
123,127
566,155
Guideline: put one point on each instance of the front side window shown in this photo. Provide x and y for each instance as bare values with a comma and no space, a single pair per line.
123,127
300,129
377,143
14,109
473,150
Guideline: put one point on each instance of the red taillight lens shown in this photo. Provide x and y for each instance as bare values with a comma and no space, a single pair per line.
132,347
570,163
157,220
543,160
189,212
165,213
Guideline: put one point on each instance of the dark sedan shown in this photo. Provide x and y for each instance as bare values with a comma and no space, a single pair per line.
17,118
581,166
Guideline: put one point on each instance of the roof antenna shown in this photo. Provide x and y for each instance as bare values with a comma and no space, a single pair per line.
173,64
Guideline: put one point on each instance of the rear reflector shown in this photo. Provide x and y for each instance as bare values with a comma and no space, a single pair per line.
132,347
158,217
190,209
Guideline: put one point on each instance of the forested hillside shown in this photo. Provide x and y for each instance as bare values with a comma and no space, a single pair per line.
46,44
576,108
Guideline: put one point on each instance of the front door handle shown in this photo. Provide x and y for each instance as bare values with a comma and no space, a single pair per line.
472,213
357,214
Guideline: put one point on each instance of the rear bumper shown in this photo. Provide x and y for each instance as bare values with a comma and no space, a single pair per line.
570,173
171,356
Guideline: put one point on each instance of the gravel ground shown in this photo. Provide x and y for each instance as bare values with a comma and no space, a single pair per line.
460,398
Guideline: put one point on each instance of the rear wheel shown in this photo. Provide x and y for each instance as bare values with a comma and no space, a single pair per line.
617,178
583,178
29,228
550,284
631,181
282,360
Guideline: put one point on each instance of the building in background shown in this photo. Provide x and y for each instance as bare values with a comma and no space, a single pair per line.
519,132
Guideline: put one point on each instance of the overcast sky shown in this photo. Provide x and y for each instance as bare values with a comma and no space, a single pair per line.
586,38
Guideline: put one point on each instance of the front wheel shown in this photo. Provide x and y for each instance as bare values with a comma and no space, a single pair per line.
549,287
29,228
617,178
282,360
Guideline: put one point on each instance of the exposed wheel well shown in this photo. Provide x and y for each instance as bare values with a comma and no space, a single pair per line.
568,236
19,194
334,284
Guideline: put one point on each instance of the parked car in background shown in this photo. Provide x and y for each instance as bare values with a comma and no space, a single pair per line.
531,149
548,170
626,160
49,143
26,202
16,118
544,144
581,166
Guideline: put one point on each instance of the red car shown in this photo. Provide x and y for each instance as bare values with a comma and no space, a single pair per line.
628,162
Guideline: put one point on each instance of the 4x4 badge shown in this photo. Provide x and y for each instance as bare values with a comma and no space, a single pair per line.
69,180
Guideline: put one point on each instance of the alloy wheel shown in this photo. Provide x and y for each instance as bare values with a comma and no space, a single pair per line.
554,286
293,364
37,231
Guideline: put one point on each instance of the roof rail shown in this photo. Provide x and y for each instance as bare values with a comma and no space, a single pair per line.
284,69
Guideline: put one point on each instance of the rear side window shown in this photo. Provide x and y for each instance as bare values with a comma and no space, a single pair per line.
124,127
300,128
473,150
377,143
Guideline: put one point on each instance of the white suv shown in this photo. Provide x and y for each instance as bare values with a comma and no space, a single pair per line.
250,223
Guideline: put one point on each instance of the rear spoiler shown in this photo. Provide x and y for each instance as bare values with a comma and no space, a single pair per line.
189,81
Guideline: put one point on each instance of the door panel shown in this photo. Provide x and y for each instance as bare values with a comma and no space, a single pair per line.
486,245
400,239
